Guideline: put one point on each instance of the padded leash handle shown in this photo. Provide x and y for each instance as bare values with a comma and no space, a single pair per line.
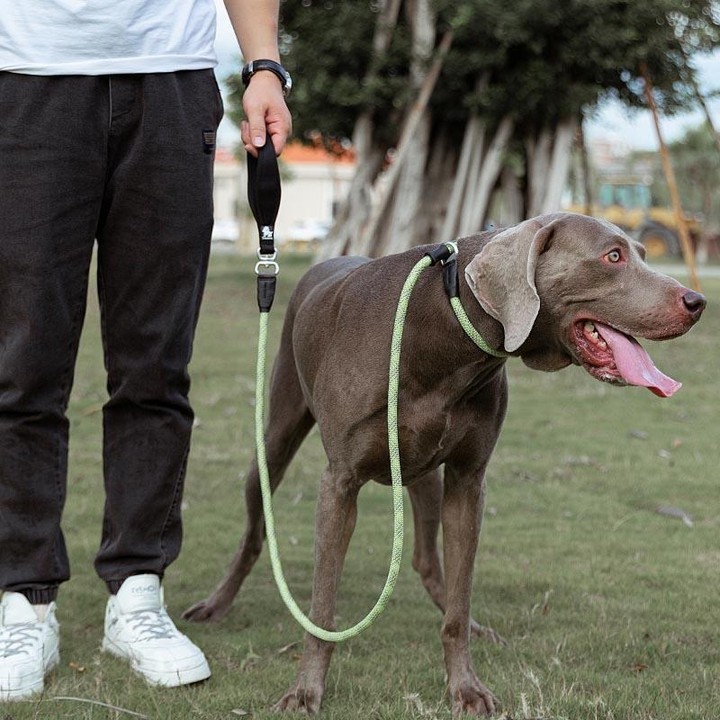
264,193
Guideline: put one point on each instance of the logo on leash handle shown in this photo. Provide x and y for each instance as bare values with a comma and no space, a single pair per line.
267,232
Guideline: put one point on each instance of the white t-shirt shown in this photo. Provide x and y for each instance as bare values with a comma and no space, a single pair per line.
106,37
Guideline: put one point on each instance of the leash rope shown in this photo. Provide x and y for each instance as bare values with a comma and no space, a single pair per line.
395,473
264,198
471,332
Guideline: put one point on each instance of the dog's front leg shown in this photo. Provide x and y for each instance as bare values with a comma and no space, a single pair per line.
462,517
334,524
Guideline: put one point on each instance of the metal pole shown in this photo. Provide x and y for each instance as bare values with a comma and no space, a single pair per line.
685,242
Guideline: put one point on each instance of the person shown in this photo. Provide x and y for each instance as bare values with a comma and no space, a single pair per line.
108,116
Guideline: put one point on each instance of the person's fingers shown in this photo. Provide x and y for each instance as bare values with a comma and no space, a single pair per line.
265,112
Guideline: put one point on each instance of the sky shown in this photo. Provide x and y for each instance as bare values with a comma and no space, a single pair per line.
613,122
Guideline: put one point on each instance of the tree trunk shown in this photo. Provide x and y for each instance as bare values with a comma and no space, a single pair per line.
511,209
471,153
585,170
477,195
386,184
354,211
538,166
559,165
400,231
548,163
437,188
431,190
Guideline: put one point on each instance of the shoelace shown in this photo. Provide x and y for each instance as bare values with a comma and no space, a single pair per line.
152,625
18,639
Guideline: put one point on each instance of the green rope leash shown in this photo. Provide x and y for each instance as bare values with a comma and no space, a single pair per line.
395,473
471,332
393,447
264,198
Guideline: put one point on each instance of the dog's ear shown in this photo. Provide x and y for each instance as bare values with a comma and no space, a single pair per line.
502,278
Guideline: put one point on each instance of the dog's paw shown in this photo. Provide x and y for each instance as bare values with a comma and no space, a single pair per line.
300,699
487,633
474,699
205,611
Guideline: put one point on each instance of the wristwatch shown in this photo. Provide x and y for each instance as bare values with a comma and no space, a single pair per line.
274,67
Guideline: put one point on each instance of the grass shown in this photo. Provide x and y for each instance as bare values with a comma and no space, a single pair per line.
610,609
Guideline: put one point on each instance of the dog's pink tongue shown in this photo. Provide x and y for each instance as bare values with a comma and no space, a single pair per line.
635,365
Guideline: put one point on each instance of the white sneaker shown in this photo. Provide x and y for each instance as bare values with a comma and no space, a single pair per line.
29,647
138,628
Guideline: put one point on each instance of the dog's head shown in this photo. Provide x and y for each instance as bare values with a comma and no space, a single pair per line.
573,289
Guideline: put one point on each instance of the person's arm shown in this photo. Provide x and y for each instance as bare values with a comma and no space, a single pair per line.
255,23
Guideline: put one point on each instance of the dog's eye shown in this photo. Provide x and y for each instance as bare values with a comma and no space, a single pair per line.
614,256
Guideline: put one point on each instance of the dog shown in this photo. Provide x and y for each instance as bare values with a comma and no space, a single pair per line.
555,290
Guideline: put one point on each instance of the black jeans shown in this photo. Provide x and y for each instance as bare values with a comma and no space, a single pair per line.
126,160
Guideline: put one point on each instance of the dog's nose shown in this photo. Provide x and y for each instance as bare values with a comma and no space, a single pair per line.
694,303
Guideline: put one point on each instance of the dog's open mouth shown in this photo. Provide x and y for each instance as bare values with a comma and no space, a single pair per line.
611,356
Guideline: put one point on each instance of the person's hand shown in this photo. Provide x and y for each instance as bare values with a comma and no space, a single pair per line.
265,112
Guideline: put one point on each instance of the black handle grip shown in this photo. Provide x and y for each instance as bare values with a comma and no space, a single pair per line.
264,193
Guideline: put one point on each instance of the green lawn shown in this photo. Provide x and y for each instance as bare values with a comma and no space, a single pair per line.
611,610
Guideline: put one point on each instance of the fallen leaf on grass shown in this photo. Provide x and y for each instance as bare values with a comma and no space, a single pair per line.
239,711
287,648
76,666
639,667
676,513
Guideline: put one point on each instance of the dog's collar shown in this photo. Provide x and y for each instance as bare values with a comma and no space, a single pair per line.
446,254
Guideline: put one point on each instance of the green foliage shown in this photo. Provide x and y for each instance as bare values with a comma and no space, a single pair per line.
542,61
328,48
696,161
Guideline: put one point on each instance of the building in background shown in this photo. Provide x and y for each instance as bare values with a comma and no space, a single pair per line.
314,183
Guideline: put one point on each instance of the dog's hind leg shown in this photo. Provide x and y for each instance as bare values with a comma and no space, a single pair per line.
426,500
288,424
426,497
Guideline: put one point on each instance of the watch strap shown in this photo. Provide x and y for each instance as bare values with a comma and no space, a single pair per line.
272,66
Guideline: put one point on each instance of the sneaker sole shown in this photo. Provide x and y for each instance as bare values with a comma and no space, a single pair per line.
33,688
174,678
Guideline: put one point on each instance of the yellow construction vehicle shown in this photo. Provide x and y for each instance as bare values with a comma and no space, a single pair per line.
627,202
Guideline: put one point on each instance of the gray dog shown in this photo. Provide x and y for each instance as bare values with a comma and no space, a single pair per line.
555,290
